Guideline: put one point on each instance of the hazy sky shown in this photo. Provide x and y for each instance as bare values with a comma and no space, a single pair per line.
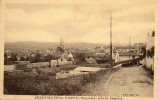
80,22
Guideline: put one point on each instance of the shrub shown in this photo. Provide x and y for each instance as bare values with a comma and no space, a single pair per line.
32,84
42,77
21,66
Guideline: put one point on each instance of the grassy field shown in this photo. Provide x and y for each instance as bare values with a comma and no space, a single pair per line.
43,82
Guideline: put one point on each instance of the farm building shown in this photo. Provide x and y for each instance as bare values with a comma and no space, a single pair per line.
60,62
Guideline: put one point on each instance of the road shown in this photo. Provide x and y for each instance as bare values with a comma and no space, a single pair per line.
129,81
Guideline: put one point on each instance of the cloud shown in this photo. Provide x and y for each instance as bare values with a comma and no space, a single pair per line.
39,19
78,22
136,14
36,35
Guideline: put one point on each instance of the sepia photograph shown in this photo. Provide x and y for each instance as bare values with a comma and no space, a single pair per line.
81,48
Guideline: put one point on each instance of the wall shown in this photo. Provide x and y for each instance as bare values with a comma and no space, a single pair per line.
123,58
116,57
39,64
9,67
149,45
60,62
22,62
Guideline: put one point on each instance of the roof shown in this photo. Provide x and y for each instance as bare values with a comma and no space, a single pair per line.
70,55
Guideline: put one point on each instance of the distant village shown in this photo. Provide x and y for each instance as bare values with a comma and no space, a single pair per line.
65,63
60,56
79,50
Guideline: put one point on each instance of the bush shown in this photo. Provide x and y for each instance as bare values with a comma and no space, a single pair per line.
21,66
32,84
42,77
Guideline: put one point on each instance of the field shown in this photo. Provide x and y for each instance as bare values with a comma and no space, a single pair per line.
43,82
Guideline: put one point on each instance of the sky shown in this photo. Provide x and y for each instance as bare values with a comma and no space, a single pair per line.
80,22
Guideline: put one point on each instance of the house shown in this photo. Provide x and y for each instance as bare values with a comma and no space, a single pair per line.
116,56
60,62
149,60
70,57
90,60
50,51
125,49
139,46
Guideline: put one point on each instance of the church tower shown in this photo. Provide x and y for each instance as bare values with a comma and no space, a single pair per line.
61,43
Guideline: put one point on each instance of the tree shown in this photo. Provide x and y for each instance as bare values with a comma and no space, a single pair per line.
13,57
143,52
5,58
22,59
48,58
37,57
153,33
80,57
32,59
152,52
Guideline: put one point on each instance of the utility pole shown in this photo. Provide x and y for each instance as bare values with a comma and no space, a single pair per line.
129,46
111,40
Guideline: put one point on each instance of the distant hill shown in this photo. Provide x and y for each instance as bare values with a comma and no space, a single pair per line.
45,45
30,45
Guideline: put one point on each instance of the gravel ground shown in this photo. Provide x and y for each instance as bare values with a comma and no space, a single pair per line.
127,82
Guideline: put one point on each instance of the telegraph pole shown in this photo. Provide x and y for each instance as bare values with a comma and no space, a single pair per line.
110,39
129,46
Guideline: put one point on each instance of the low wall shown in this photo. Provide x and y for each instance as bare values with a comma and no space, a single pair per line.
39,64
124,58
22,62
126,61
150,63
54,63
9,67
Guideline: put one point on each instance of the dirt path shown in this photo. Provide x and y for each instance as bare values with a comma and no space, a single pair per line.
131,81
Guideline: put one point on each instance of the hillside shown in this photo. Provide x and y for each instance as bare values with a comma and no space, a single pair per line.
30,45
